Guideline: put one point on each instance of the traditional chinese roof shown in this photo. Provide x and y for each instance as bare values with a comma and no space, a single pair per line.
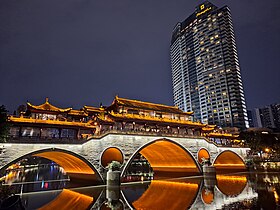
222,135
47,107
208,128
147,105
90,109
105,119
77,112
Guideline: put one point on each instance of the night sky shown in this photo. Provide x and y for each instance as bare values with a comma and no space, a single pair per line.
84,52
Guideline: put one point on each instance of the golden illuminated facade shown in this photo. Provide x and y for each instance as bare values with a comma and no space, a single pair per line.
47,122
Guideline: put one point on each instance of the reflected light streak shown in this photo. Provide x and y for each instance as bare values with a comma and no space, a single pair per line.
276,196
231,185
229,165
167,195
164,154
68,200
69,163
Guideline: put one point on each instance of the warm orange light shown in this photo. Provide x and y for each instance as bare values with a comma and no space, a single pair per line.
229,159
69,163
229,165
157,119
203,153
207,196
232,178
222,135
266,150
68,200
167,195
165,155
48,107
49,122
276,196
231,185
111,154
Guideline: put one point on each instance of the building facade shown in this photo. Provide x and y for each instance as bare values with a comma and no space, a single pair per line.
205,68
267,117
47,122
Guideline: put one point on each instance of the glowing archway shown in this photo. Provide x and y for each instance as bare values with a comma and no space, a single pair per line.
167,156
202,154
73,164
111,154
228,160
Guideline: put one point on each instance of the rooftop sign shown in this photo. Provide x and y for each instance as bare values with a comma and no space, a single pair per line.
203,10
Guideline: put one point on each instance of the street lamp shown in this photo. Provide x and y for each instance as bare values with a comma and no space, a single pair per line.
266,150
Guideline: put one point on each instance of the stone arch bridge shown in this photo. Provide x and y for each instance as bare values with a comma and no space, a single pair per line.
87,159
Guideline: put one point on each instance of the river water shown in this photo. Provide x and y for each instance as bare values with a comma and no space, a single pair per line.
46,186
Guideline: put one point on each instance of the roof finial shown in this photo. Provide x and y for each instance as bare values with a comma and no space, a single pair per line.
47,99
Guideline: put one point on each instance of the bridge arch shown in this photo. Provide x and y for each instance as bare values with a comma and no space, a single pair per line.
229,160
165,155
75,166
111,154
203,153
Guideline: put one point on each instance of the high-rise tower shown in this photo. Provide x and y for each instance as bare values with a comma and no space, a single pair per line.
205,69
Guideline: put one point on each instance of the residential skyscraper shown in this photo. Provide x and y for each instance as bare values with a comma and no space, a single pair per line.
205,69
267,117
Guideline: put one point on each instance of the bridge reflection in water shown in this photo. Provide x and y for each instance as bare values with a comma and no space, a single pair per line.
161,194
68,200
231,185
173,194
188,194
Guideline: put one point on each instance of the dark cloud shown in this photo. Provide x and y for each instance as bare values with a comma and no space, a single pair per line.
86,52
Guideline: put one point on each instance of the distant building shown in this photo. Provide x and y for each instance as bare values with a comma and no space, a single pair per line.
267,117
205,69
250,118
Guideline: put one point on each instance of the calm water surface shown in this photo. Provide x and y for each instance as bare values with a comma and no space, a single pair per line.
48,187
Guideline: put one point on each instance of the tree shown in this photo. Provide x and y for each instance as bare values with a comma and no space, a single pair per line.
21,109
259,141
4,126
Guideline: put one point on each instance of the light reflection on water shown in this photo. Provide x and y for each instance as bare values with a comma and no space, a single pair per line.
237,191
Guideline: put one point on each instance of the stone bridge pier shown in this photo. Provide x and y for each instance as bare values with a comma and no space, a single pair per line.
91,157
